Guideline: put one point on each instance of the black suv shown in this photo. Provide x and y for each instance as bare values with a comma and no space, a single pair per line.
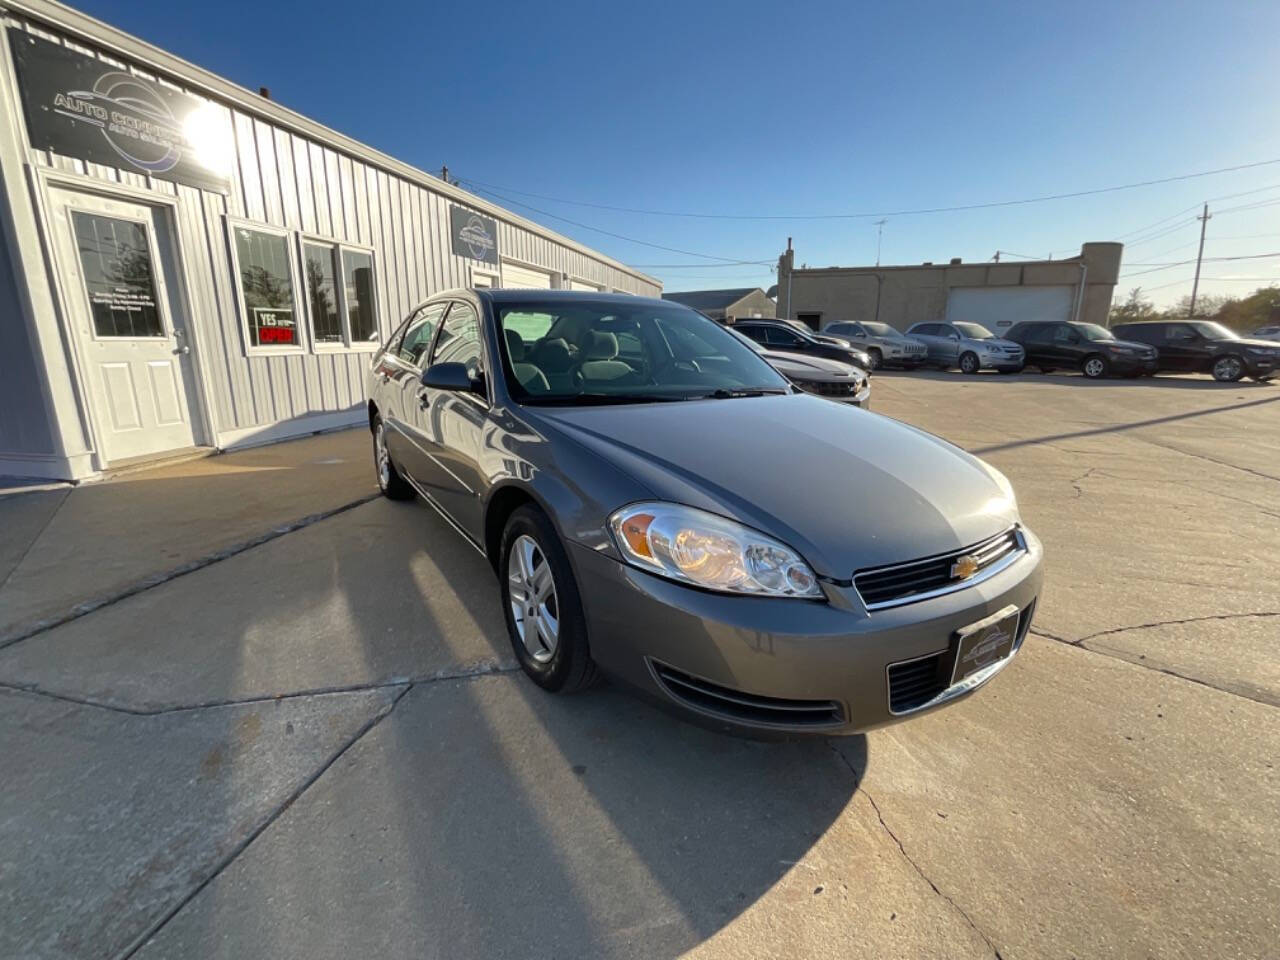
782,337
1087,347
1203,346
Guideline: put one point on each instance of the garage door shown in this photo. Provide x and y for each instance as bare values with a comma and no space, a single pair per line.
525,278
999,308
583,285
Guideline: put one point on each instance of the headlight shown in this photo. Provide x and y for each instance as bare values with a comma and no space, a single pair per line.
710,551
1261,351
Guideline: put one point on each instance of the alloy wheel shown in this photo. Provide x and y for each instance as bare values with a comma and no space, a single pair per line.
1228,369
969,363
532,594
1093,367
382,459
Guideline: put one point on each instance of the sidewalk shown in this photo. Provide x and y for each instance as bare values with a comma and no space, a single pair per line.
67,551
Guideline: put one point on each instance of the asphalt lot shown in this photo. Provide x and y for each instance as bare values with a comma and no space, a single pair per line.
317,746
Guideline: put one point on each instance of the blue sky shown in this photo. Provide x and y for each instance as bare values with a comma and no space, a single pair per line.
819,108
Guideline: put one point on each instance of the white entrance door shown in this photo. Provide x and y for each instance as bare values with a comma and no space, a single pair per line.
113,256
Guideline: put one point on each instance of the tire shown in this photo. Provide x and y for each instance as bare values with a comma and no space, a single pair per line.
969,363
392,485
1228,369
557,656
877,358
1095,366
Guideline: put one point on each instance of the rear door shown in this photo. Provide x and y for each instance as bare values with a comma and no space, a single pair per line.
400,377
927,333
948,344
1066,346
1181,348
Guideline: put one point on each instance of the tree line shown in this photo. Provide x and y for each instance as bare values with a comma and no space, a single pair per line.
1242,314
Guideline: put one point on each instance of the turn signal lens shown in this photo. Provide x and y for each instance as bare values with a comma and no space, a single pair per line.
710,551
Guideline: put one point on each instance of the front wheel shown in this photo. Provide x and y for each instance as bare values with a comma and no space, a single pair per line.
876,357
969,363
1095,366
392,485
543,608
1228,369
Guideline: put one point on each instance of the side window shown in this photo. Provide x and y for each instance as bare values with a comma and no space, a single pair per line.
1063,333
459,340
417,336
926,330
755,333
842,328
780,337
1178,333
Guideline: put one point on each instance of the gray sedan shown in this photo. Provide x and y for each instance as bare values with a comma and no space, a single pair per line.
883,345
969,346
657,504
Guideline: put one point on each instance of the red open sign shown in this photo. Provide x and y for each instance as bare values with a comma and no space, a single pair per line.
275,335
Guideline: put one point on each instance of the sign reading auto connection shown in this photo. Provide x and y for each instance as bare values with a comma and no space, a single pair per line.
474,236
85,108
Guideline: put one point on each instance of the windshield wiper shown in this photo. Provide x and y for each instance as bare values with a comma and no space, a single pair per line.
601,399
723,394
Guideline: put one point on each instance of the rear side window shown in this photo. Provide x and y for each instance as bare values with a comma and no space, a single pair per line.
926,329
781,338
755,333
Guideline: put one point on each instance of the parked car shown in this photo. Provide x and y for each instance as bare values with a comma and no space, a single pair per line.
842,382
1204,346
969,346
884,345
1087,347
780,336
1271,332
660,506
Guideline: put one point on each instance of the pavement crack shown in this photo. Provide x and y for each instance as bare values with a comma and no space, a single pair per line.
25,631
907,857
1075,484
486,668
143,938
1206,458
1170,623
36,539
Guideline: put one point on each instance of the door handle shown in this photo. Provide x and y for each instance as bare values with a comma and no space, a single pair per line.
184,350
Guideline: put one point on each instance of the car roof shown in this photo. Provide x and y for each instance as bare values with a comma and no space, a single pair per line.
502,295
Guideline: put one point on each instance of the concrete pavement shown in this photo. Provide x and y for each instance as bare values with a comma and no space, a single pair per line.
1112,794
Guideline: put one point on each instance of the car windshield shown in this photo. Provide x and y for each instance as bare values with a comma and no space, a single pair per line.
600,351
1092,331
974,331
1214,331
879,329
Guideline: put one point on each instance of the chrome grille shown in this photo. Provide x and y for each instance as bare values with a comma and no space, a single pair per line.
900,583
829,388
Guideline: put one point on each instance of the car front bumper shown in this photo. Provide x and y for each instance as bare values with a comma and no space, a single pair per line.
1131,365
1001,362
708,654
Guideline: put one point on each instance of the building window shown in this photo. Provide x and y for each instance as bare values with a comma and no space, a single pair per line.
322,292
266,288
341,294
357,275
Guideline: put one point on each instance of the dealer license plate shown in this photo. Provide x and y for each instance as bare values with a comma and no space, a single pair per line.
986,642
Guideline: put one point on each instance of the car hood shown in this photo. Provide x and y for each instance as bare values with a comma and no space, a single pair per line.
796,366
1134,344
999,342
847,488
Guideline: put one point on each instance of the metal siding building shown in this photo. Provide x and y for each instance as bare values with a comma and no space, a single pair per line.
200,371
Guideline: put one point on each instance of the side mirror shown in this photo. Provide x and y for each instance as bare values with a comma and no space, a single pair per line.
451,376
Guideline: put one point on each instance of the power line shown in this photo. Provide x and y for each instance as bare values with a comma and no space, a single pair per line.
1270,281
610,233
878,213
1157,267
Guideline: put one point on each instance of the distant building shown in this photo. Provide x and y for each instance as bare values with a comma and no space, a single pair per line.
996,295
739,304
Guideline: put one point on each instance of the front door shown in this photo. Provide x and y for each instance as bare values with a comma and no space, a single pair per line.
133,338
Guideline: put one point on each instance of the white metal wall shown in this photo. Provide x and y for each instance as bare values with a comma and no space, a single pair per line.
283,179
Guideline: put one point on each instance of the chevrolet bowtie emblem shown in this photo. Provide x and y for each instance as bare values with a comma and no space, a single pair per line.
964,567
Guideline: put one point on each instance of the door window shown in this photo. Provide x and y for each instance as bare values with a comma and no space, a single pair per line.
417,336
926,330
1179,333
755,333
1062,334
115,260
780,338
459,340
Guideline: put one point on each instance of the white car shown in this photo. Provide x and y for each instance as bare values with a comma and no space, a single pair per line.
1269,332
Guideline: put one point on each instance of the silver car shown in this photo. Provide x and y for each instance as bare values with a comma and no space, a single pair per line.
660,506
884,345
1269,332
969,346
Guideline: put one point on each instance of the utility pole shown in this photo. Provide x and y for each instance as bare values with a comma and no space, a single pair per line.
879,232
1195,287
